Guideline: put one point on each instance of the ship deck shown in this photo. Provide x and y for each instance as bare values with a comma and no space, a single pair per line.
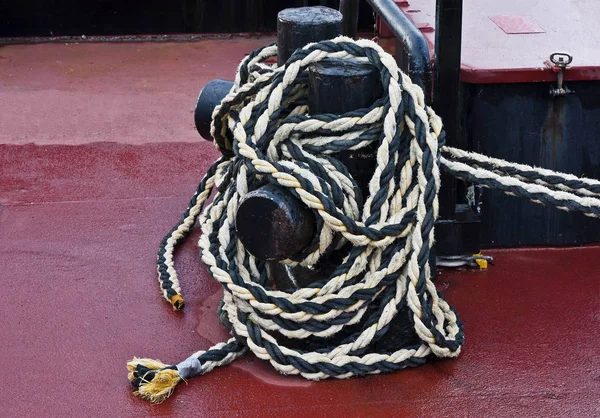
98,159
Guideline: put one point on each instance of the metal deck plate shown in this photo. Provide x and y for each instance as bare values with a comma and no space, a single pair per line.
510,41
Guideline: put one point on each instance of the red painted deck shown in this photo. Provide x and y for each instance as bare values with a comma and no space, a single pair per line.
98,157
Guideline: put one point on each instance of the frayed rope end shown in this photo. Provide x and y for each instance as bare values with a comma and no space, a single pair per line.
177,302
153,380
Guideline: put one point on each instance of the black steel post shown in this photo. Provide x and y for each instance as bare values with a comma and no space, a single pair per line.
340,86
273,224
446,87
457,230
335,86
349,11
297,27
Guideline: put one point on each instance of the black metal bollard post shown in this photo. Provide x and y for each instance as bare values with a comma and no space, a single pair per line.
297,27
337,87
210,96
272,225
340,86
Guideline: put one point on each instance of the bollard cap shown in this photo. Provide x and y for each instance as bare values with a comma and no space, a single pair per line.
310,16
297,27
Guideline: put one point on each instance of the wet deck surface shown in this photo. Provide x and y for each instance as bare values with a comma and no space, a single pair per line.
98,158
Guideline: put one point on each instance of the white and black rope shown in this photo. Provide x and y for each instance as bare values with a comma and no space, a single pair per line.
562,190
269,137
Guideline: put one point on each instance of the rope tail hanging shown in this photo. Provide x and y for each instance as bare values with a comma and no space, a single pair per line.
276,141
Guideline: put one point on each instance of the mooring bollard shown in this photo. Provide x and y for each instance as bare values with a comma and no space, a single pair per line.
297,27
337,87
340,86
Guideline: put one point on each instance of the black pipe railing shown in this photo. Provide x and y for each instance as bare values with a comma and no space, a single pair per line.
413,57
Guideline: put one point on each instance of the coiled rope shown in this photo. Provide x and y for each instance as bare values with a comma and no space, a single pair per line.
274,140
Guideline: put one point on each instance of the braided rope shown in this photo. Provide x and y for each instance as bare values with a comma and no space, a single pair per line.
539,185
276,141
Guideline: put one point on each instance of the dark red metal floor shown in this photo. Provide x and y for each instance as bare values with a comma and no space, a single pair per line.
98,157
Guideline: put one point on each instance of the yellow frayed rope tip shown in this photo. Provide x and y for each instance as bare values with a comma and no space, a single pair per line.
162,384
177,302
160,387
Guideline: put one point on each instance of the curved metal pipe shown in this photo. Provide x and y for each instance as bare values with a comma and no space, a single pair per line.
416,49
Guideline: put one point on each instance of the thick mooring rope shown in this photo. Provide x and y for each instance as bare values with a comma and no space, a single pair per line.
275,141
